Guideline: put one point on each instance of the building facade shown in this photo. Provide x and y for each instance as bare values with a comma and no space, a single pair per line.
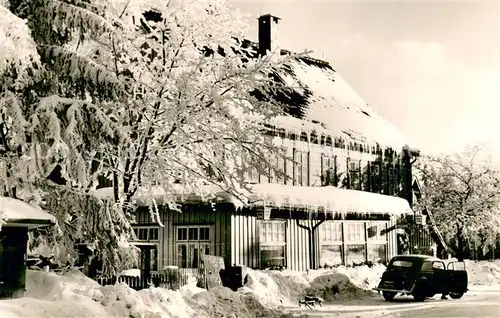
345,188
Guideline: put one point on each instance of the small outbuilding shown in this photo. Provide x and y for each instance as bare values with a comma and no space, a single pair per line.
17,218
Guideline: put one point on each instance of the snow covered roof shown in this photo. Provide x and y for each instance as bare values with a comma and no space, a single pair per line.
177,193
318,94
18,213
331,199
328,199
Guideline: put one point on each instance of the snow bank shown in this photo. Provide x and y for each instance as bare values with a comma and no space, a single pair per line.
276,289
75,295
483,272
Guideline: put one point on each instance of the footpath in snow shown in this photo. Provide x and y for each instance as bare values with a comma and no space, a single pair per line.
265,294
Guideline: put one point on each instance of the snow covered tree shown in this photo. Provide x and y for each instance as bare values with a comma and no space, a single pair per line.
151,95
463,193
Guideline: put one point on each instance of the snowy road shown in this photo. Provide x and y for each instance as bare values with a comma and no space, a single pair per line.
473,304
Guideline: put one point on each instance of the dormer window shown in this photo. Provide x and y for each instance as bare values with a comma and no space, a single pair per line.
322,141
292,136
281,132
303,137
314,138
329,141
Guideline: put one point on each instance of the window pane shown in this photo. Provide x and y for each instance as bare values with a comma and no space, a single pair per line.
355,231
297,173
305,168
181,234
355,254
194,256
377,252
182,255
193,234
282,237
331,231
153,234
330,255
143,234
154,259
272,256
375,231
399,263
204,234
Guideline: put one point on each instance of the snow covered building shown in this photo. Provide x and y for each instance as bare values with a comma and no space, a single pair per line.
349,183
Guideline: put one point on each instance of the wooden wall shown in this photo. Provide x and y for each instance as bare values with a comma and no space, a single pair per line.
245,240
218,218
392,239
245,245
236,236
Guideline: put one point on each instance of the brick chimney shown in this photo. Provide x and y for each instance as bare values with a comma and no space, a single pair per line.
267,33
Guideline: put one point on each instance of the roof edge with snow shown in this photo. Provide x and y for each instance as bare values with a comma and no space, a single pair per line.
17,213
330,200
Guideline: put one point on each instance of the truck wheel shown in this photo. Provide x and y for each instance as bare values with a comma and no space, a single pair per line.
419,297
388,295
456,295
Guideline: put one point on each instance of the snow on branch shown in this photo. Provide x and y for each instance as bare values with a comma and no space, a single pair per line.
19,57
463,192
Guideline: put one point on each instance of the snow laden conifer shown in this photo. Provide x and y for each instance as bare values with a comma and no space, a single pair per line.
157,97
463,193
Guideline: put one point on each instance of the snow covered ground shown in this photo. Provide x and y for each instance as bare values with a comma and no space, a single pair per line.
266,294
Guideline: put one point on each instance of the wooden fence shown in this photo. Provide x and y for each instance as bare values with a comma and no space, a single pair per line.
172,279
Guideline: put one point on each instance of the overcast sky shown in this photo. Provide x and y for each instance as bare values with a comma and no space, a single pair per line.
432,68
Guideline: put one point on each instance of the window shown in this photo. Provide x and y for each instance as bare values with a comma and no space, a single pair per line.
305,168
277,173
147,233
322,141
281,133
377,253
331,255
376,231
314,138
355,254
192,242
331,243
355,232
438,265
338,143
300,168
328,170
297,166
376,241
149,257
399,263
331,232
281,178
272,243
303,137
328,141
355,242
253,175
